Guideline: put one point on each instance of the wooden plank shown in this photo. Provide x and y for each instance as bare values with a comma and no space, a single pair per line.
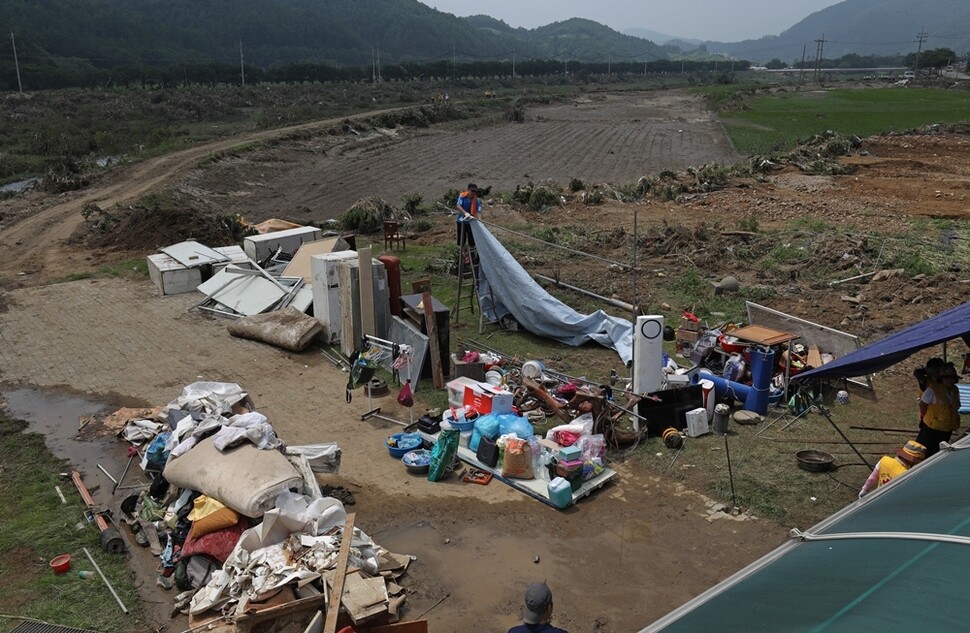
763,335
348,342
333,608
367,320
432,326
295,606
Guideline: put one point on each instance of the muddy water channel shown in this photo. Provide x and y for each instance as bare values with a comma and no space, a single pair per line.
57,416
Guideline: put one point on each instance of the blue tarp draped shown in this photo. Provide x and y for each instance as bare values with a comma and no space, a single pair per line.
946,326
505,288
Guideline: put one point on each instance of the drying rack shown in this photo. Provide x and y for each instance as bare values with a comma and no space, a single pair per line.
395,349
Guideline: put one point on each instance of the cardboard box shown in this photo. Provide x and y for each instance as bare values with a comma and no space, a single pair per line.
697,424
569,453
486,399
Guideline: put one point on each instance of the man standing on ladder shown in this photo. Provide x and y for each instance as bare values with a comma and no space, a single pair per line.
469,209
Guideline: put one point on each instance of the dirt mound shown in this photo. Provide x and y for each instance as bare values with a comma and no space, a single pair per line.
154,223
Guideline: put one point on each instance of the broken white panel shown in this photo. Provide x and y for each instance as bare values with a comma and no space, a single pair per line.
193,254
303,299
243,291
235,257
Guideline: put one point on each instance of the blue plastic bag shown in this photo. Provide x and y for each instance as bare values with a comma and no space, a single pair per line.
485,426
157,455
511,423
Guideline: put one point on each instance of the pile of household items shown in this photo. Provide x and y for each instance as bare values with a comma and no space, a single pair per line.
239,522
499,427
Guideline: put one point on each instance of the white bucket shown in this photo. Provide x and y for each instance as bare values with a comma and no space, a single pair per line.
533,369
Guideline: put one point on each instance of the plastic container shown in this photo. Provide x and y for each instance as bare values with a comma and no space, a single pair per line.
61,564
464,438
560,492
400,443
85,574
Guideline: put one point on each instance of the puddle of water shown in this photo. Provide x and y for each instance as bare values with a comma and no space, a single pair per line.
55,415
20,185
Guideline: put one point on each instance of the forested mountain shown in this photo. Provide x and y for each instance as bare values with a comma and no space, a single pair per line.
864,27
109,33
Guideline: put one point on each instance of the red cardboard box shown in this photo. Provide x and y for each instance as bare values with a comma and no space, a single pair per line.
486,399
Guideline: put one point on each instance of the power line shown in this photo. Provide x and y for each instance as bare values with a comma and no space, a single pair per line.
16,63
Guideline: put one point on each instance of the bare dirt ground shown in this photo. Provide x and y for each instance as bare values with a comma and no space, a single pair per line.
618,560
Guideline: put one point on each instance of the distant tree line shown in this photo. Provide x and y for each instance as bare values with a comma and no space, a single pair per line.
83,75
935,58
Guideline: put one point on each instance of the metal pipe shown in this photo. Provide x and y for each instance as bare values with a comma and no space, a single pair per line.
101,468
107,584
613,302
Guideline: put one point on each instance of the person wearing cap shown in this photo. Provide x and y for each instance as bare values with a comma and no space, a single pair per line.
890,467
469,209
939,410
538,611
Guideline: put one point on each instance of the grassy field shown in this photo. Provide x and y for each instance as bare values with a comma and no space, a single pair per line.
776,122
36,527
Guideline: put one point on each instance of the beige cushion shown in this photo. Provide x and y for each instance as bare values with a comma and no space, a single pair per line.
245,478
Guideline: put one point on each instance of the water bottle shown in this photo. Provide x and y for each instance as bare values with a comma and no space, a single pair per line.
85,574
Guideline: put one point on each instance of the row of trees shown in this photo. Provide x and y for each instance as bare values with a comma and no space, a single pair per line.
80,74
935,58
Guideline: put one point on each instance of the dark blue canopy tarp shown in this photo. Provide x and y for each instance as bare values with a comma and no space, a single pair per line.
949,325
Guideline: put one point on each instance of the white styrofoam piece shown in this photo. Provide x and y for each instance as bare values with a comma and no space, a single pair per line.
192,253
697,424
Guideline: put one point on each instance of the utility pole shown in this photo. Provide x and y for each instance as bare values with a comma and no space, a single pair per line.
454,62
609,65
373,66
644,68
16,63
242,66
919,39
380,79
801,69
820,46
513,63
565,69
681,67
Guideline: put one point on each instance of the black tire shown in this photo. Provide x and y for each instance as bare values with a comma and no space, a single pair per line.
112,543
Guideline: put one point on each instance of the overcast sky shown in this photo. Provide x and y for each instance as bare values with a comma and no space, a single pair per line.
718,20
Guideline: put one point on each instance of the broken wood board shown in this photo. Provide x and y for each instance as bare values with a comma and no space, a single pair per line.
340,572
814,356
299,266
364,263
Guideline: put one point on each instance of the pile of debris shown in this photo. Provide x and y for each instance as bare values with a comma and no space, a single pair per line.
239,523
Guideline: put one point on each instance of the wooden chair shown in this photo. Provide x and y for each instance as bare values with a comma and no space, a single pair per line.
393,235
421,286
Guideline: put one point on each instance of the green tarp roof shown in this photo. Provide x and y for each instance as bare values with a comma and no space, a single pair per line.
858,584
